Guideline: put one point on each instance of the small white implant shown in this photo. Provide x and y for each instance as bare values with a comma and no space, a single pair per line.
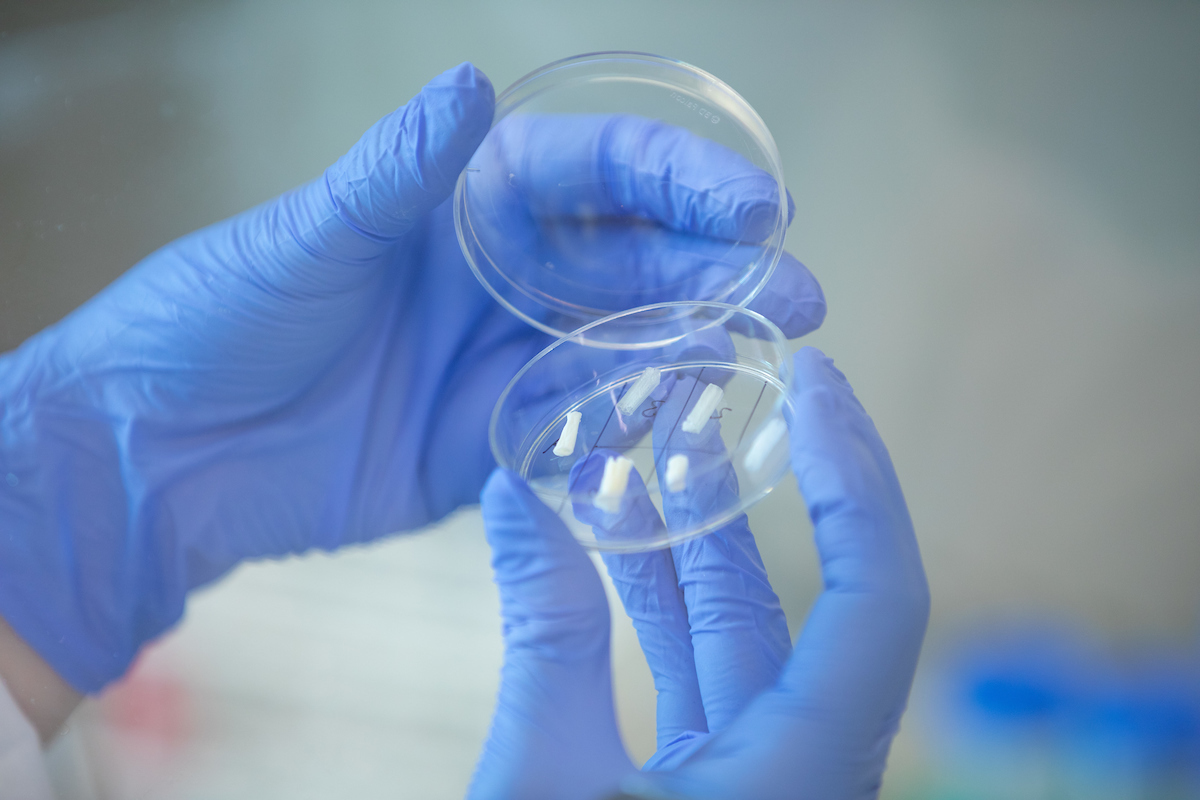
764,443
677,469
710,398
566,440
646,383
613,484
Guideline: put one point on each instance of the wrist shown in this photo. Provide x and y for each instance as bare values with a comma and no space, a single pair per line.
40,693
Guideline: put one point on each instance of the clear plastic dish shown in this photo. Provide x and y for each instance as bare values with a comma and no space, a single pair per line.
611,181
703,382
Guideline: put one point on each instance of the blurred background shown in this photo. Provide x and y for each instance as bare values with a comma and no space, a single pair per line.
1002,202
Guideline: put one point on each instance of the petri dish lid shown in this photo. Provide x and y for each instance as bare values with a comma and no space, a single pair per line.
611,181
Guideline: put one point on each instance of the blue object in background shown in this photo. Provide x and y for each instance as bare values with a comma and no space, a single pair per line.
1044,714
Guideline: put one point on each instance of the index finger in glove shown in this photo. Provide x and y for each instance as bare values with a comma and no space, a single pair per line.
831,717
554,724
738,629
650,593
876,600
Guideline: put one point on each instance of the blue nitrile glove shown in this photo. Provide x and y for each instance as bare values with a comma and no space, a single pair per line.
738,716
316,371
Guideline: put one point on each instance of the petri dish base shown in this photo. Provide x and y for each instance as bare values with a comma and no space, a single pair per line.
690,396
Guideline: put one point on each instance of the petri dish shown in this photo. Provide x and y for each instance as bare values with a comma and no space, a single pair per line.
610,181
651,426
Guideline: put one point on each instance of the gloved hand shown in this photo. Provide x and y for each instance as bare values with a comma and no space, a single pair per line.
737,716
316,371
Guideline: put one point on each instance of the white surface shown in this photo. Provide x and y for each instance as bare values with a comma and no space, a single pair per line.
370,673
22,768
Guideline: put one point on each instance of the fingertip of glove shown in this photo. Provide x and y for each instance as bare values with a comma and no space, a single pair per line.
507,500
455,114
408,162
501,487
809,357
817,379
467,93
792,299
517,521
466,75
504,503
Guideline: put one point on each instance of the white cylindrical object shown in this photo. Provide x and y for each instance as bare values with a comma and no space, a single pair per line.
710,398
565,445
764,443
646,383
613,484
677,469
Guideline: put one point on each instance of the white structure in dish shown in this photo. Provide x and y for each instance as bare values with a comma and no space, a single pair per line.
764,443
613,484
565,445
646,383
677,469
710,398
